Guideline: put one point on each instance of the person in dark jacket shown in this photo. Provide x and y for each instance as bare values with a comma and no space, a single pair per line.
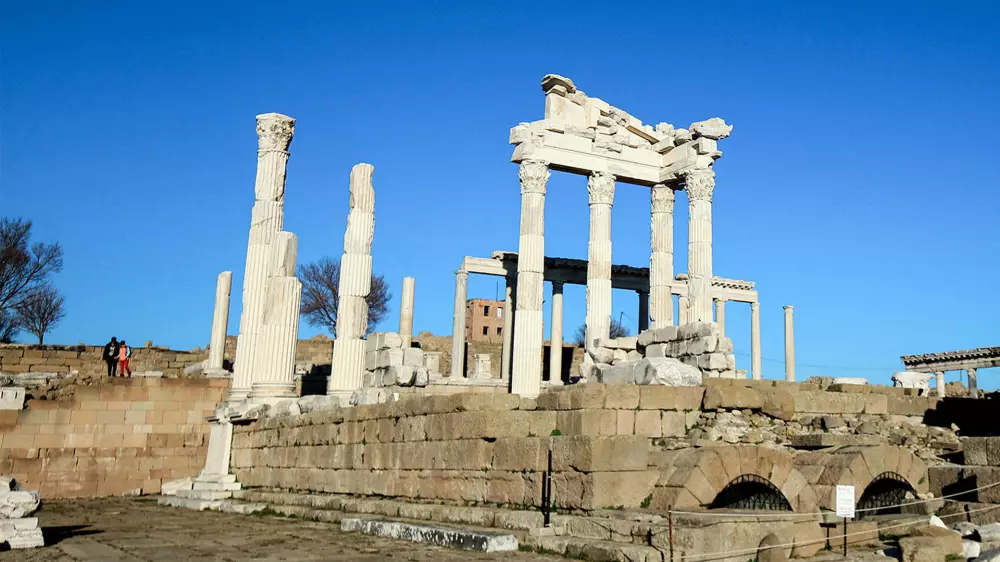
110,356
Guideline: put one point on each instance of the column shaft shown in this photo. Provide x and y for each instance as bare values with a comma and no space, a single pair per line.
683,310
789,345
508,326
720,315
355,285
644,310
699,185
601,190
274,135
279,336
755,358
220,325
973,384
526,373
556,339
458,325
661,260
940,384
406,311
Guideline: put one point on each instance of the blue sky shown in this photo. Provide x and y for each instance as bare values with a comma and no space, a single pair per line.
860,182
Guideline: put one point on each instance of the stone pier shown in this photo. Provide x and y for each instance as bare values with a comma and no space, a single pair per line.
755,357
556,335
973,383
220,325
458,325
275,358
526,373
601,191
940,384
274,135
661,260
699,184
406,312
789,344
720,315
355,286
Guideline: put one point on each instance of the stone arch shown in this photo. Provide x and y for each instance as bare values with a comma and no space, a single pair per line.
694,478
751,491
886,490
858,466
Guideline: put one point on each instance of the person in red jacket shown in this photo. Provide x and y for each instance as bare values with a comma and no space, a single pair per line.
124,353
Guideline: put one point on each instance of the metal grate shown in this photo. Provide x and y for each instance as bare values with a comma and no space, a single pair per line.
884,495
750,491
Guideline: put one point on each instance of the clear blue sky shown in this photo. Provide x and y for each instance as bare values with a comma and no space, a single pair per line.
860,182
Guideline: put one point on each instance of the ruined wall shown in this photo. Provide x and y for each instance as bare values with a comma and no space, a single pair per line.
86,359
111,438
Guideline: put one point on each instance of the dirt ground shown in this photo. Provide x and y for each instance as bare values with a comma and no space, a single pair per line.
132,530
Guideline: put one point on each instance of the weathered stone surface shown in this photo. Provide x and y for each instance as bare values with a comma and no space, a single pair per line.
930,544
767,551
665,371
671,398
730,397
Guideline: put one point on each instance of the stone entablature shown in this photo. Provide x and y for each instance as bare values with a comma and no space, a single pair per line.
978,358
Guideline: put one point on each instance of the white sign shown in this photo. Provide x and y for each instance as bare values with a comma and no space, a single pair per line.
845,501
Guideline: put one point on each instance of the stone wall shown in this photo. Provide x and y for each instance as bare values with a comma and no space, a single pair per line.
86,359
112,438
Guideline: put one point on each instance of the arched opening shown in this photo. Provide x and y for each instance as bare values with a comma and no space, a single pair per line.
749,491
884,495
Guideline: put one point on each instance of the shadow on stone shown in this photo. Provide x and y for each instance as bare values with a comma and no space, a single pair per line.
55,535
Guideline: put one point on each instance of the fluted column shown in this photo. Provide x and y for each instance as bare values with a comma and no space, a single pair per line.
526,374
508,326
220,325
355,286
274,135
789,344
661,260
683,310
601,191
406,311
973,384
755,358
458,325
940,384
556,335
643,310
699,185
720,315
275,359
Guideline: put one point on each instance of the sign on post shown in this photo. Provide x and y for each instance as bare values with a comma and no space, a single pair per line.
845,501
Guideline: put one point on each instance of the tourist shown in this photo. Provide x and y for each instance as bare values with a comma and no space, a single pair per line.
123,355
110,355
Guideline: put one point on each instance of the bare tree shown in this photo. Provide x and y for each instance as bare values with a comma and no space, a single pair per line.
320,295
23,266
618,330
8,327
40,310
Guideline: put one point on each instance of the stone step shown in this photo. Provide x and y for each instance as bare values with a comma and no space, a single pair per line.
223,505
596,550
204,494
435,535
219,486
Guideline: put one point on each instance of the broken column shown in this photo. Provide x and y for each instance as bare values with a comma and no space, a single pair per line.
355,285
601,191
481,366
661,260
789,345
973,383
556,335
526,370
274,134
17,528
275,359
940,384
699,184
406,311
683,308
220,324
458,325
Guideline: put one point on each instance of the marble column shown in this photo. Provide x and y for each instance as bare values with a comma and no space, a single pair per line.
526,373
699,185
720,315
275,373
274,135
510,292
789,344
406,312
458,325
644,310
940,384
355,286
556,335
683,310
601,191
755,357
973,384
220,325
661,260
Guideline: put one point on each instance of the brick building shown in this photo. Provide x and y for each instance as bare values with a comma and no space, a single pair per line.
484,320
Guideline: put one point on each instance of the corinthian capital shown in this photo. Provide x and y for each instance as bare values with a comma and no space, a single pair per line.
662,197
533,174
699,184
601,187
274,131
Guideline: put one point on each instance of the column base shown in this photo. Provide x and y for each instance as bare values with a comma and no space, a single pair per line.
217,374
271,392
